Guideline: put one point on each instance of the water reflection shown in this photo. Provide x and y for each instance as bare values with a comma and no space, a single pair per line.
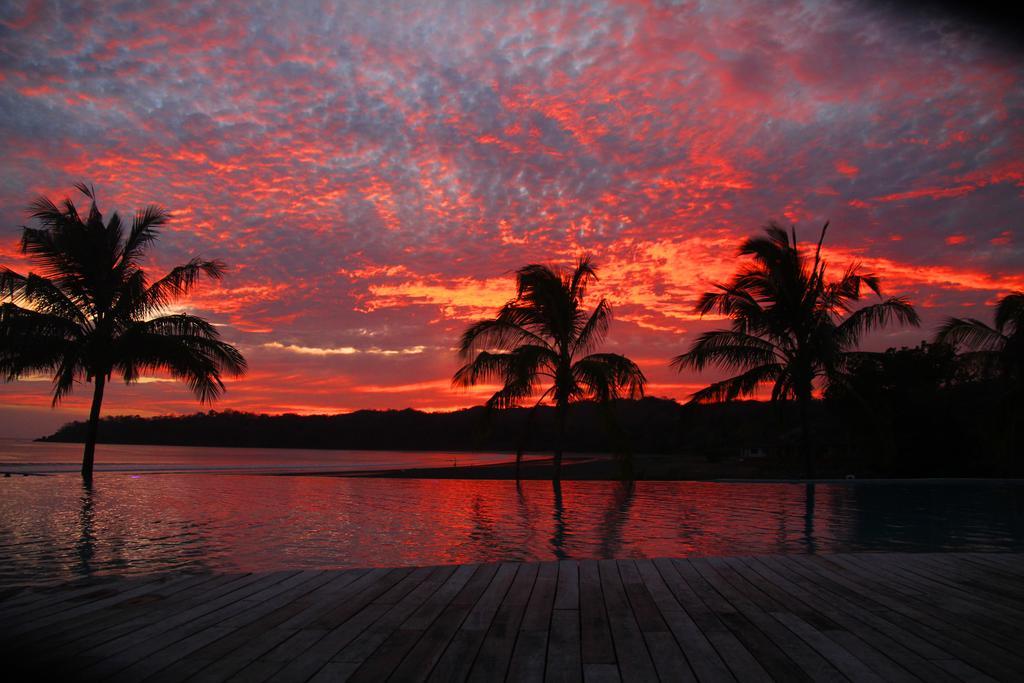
614,518
559,531
809,517
57,528
86,539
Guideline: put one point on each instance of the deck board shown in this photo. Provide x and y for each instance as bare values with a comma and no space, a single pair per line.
888,616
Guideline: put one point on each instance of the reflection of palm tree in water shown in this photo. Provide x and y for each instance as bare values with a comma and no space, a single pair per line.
486,535
558,529
809,540
86,539
525,515
610,529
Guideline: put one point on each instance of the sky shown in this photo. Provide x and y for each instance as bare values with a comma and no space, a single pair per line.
374,172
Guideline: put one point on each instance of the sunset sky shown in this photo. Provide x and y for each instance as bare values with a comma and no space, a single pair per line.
374,172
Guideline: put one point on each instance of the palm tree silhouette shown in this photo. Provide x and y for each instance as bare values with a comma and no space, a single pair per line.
999,348
787,327
92,311
997,352
545,334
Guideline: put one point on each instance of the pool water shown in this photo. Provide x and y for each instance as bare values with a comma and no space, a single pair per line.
54,528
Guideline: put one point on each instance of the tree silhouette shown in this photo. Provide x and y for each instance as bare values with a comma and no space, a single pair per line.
790,325
998,353
997,350
92,311
545,335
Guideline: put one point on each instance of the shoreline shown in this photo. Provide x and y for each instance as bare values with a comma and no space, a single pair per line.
589,468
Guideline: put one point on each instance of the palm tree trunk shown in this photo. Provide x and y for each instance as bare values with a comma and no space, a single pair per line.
94,424
519,460
805,443
560,441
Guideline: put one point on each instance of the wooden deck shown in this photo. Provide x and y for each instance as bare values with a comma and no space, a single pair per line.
934,617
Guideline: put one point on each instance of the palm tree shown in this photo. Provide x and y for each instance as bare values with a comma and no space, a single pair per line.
91,311
1000,348
545,335
997,352
788,326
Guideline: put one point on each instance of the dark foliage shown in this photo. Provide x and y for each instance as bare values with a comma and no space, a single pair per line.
651,425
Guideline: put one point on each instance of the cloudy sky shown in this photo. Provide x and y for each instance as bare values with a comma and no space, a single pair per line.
373,172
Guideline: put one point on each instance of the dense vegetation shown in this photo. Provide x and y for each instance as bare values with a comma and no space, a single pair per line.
921,411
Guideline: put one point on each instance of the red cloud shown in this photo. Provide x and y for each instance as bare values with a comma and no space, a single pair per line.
374,186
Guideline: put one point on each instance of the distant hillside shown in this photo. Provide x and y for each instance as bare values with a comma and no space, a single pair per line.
649,425
923,433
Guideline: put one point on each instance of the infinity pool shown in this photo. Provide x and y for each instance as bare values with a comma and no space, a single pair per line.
53,528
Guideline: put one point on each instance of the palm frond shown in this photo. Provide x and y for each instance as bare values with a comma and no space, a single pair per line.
1010,314
863,320
594,330
504,332
33,342
727,349
187,347
741,385
608,376
145,229
180,281
581,277
972,333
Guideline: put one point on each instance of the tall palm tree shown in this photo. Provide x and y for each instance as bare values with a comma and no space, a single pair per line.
545,335
91,311
998,352
791,327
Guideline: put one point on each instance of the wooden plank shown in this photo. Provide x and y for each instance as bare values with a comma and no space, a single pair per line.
762,611
42,601
147,651
567,594
492,660
457,659
906,647
974,581
564,664
595,633
764,649
249,650
889,616
647,615
529,656
946,629
249,637
335,672
367,643
601,673
425,655
881,651
109,597
700,653
318,656
537,616
398,648
666,654
974,651
89,634
731,650
630,647
75,635
987,620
